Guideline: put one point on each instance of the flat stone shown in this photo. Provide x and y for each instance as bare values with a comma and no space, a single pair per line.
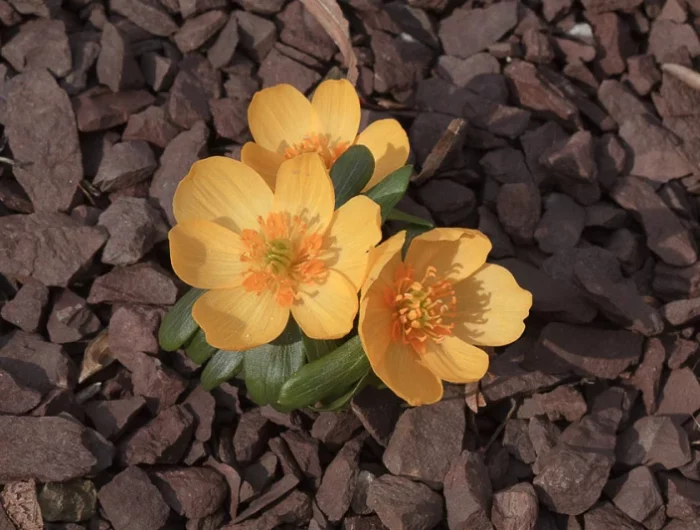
115,417
250,437
158,71
605,515
151,125
142,283
191,491
50,449
131,502
515,507
561,224
159,385
164,440
468,493
277,68
99,110
647,376
468,31
378,411
402,504
681,312
519,210
426,440
199,29
257,35
116,66
26,309
564,402
221,52
41,130
16,398
134,328
40,44
636,493
146,14
680,396
302,31
71,319
338,484
654,441
125,164
683,497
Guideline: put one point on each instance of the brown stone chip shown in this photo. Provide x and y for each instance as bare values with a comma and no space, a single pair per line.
71,319
97,110
636,493
164,440
183,151
194,492
113,418
125,164
334,429
306,454
131,502
278,490
134,328
378,411
654,441
50,449
647,377
199,29
16,398
116,66
277,68
681,312
41,130
160,385
26,309
257,35
302,31
572,163
257,476
519,210
571,476
666,236
221,52
402,504
680,396
146,14
677,282
152,125
468,31
666,37
468,494
683,496
251,436
564,402
642,73
561,225
40,44
515,507
605,515
338,484
49,247
143,283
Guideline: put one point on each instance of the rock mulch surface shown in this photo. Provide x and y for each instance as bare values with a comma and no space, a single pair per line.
580,158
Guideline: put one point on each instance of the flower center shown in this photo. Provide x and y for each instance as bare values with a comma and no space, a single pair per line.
315,143
422,310
283,255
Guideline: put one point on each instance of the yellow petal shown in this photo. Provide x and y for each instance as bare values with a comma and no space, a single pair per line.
236,319
389,145
222,190
338,108
206,255
280,117
396,364
265,162
456,253
383,261
327,311
491,307
455,361
354,230
304,188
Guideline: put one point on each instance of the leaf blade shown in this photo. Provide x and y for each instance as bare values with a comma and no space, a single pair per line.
351,173
389,191
223,366
178,326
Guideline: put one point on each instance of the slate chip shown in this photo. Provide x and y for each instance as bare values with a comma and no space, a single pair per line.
222,51
134,328
564,402
257,476
277,68
142,283
40,44
134,227
647,376
515,507
468,31
151,125
194,492
160,385
50,449
338,484
666,236
680,395
378,411
426,440
131,502
334,429
41,130
71,319
636,493
250,437
519,209
468,493
257,35
605,515
199,29
114,417
146,14
16,398
561,224
402,504
654,441
682,312
164,440
116,66
26,309
683,496
98,110
302,31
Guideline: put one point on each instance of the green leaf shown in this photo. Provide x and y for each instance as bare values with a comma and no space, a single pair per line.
398,215
269,366
315,349
178,325
319,379
198,349
391,189
342,401
351,173
223,366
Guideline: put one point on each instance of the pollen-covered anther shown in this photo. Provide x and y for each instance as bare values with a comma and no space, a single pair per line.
283,255
317,143
421,309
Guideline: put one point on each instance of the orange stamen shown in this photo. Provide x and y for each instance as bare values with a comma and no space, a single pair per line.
283,256
315,143
421,308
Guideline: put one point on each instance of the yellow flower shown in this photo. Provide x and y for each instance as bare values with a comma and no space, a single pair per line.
285,124
263,255
421,320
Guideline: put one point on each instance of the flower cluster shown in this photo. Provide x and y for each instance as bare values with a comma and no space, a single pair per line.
267,240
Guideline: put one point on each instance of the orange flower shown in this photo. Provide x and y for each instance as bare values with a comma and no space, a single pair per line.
422,319
285,124
263,255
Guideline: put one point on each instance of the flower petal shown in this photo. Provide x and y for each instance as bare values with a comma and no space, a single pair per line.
385,256
222,190
206,255
236,319
327,310
262,160
389,144
491,307
349,246
280,117
455,361
396,364
338,108
304,188
454,252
